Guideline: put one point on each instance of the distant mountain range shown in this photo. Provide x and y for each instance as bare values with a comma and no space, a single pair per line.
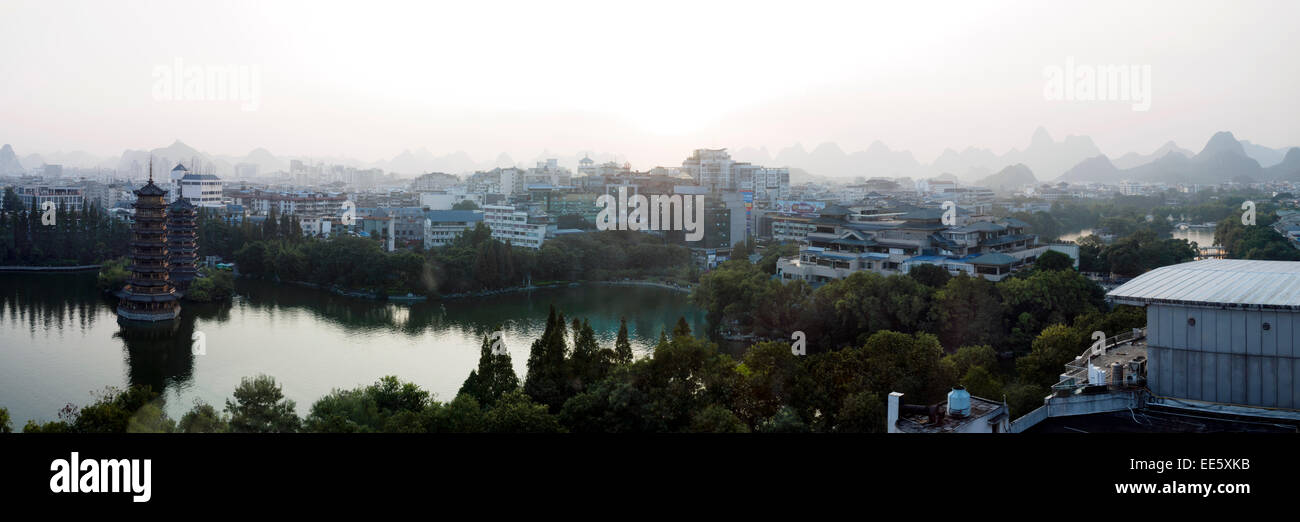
136,162
9,164
1012,177
1223,158
1073,159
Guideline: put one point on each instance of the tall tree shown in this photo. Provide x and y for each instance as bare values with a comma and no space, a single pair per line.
622,346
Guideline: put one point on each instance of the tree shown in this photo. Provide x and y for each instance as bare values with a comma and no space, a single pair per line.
1055,346
682,328
260,407
113,412
785,421
465,204
462,415
517,413
933,276
622,347
150,419
494,377
5,427
547,379
203,418
1053,260
862,412
968,312
717,419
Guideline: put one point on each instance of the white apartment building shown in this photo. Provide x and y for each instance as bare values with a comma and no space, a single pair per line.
203,190
509,224
447,225
67,198
767,184
710,168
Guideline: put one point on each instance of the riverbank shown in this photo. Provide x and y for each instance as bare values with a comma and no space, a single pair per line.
403,299
516,289
78,268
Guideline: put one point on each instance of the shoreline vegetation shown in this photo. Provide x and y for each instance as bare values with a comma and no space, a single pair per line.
77,268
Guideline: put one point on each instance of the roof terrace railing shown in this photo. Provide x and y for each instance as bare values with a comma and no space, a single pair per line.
1076,371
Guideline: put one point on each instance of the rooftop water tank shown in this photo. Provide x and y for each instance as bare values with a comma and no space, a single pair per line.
958,402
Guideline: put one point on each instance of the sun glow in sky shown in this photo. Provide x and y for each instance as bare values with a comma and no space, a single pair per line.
648,80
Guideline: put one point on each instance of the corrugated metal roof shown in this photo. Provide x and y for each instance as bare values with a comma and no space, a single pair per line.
1232,283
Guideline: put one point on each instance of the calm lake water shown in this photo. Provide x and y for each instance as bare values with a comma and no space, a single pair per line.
60,340
1203,237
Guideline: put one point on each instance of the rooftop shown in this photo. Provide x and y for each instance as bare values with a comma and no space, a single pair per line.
981,410
1220,283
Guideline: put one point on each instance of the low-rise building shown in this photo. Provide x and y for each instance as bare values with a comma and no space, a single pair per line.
960,413
894,242
516,226
65,198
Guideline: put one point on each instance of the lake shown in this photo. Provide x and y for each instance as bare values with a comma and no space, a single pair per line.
60,341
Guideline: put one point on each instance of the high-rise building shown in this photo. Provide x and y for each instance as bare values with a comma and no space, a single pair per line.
710,168
149,294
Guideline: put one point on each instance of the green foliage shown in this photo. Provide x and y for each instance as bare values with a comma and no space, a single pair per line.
461,415
344,262
1258,241
660,393
785,421
88,236
716,418
547,380
515,412
933,276
112,275
260,407
211,285
5,426
1055,346
1143,251
622,346
49,427
150,419
494,377
1044,298
476,262
965,358
1023,398
981,382
767,264
1053,260
967,311
465,204
862,412
203,418
387,405
113,411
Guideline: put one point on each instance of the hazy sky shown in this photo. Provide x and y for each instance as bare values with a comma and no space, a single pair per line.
649,80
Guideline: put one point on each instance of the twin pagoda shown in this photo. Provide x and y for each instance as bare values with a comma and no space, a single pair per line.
164,255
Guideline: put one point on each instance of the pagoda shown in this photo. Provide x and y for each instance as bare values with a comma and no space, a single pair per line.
182,245
149,294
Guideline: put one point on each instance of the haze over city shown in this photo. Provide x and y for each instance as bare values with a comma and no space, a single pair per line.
644,83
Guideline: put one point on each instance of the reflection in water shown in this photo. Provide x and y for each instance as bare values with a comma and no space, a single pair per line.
160,355
60,340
